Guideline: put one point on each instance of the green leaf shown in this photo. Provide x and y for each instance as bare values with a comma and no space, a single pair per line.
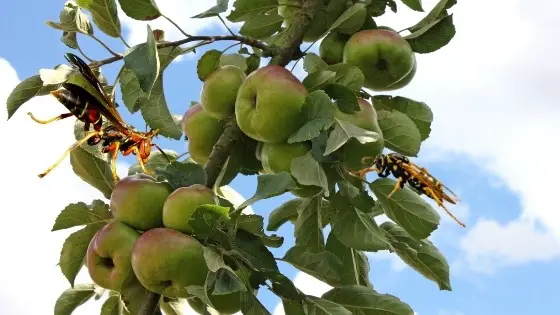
415,5
72,19
363,300
252,251
283,213
156,160
355,265
319,306
399,132
227,282
356,229
156,113
317,105
251,305
74,251
26,90
132,94
208,63
270,185
406,208
70,299
233,60
93,170
308,227
293,307
111,306
246,9
347,75
311,130
172,306
418,112
313,63
318,80
253,63
348,16
323,265
344,98
70,39
421,255
307,171
255,224
262,26
142,10
78,214
143,60
437,12
134,295
345,131
200,292
105,15
183,174
207,219
433,36
220,7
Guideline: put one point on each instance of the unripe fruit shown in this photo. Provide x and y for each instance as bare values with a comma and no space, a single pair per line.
353,151
277,157
166,261
202,132
382,55
182,203
219,91
137,200
331,49
268,106
108,255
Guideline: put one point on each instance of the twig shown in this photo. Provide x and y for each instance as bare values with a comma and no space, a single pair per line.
176,25
124,41
84,54
227,27
103,44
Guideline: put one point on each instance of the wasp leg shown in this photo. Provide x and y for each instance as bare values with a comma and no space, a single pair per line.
114,154
396,188
140,162
432,195
48,121
74,146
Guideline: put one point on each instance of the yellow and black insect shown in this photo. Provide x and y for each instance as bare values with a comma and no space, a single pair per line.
417,177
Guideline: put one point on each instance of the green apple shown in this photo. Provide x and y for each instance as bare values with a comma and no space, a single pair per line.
182,203
332,47
277,158
166,261
406,80
137,200
219,91
269,102
383,56
108,255
202,131
353,151
287,8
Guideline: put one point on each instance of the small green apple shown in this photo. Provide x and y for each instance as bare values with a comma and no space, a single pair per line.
182,203
352,152
219,91
137,200
166,261
108,255
383,56
332,47
268,106
202,131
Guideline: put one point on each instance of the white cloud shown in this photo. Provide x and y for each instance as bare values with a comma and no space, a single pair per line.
308,285
489,245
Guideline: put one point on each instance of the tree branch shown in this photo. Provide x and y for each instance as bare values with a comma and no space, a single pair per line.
267,50
292,39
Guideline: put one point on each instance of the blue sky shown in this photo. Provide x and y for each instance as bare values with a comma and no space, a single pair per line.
493,100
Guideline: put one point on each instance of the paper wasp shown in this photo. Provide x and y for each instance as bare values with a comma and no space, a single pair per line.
117,136
417,177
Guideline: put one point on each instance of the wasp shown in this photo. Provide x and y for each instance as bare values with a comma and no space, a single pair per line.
417,177
115,137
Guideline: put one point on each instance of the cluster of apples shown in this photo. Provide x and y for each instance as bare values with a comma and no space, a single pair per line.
149,236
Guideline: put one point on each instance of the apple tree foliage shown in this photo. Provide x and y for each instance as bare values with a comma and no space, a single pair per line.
335,214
